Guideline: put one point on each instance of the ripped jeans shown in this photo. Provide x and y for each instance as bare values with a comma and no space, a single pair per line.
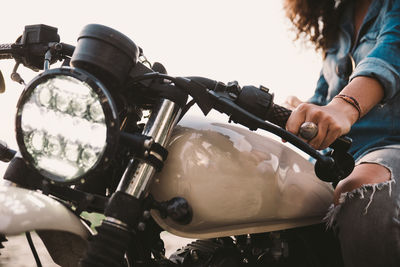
367,220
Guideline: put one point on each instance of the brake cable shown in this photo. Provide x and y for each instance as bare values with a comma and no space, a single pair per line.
33,249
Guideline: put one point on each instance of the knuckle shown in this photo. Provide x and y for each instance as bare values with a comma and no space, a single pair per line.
303,107
316,113
335,128
331,120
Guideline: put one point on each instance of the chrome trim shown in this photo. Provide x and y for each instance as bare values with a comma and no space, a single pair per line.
116,223
138,174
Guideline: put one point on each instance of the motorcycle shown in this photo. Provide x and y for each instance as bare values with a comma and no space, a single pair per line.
105,132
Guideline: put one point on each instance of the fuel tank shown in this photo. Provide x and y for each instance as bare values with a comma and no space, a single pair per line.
237,182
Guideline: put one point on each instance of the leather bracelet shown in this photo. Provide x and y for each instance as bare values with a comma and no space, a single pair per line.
352,101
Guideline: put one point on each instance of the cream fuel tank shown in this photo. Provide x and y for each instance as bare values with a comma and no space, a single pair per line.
237,182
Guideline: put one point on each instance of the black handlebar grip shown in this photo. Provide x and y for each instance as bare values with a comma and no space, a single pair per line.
279,115
6,51
6,154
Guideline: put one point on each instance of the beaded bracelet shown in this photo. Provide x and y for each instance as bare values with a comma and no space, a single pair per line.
352,101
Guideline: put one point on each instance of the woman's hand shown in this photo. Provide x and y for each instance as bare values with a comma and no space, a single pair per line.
333,121
336,118
291,102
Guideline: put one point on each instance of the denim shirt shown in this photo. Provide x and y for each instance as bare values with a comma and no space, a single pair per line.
376,54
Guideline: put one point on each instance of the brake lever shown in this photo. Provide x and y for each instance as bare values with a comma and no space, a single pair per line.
343,161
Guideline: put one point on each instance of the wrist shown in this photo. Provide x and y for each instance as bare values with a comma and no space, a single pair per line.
347,108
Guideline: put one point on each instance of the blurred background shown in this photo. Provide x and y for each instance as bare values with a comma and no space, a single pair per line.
247,41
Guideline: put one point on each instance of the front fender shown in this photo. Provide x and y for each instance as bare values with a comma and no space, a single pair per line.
23,210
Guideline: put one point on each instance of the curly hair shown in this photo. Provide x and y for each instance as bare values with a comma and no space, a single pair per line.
315,20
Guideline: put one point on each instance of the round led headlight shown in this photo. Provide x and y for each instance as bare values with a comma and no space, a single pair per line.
67,125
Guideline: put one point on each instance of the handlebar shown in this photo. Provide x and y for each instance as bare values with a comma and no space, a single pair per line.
249,106
256,101
279,115
254,108
327,170
32,55
6,51
6,154
38,45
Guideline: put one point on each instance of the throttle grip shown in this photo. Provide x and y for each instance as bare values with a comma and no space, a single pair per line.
259,102
6,51
6,154
343,161
279,116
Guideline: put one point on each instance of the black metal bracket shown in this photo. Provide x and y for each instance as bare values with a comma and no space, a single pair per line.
177,208
144,148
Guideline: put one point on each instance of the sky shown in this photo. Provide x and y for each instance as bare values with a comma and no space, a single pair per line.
247,41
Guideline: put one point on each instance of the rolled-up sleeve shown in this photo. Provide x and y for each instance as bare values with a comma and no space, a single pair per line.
383,61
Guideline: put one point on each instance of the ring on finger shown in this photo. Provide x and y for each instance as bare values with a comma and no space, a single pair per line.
308,130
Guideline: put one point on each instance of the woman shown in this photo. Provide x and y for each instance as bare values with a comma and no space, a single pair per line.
357,95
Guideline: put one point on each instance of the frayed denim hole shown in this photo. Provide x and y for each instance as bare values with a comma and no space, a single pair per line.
360,191
333,210
331,215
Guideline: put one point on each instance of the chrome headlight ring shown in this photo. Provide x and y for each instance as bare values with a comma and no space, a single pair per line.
67,125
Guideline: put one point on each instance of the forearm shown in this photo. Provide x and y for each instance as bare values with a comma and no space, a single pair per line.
367,91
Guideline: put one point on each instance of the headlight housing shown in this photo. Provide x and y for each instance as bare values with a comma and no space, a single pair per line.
67,125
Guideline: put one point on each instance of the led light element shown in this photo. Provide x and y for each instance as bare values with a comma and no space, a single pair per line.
79,106
72,152
66,124
62,100
96,112
45,96
37,141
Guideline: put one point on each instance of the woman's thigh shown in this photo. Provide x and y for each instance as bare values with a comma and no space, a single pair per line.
365,173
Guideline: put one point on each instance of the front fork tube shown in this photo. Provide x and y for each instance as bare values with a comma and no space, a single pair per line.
138,175
124,209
